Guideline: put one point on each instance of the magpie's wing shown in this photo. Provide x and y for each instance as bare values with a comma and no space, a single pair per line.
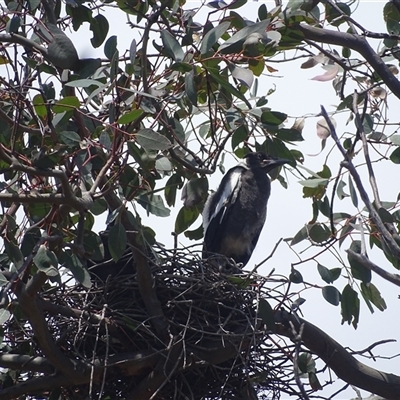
218,208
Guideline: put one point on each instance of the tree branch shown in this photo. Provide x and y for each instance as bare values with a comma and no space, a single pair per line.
26,363
357,43
29,305
336,357
362,259
347,163
80,204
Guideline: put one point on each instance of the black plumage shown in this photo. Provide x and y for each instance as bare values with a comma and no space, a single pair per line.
234,215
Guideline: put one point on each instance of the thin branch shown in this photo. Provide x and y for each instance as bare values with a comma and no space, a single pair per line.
20,127
23,41
347,163
357,43
362,259
373,345
26,363
80,204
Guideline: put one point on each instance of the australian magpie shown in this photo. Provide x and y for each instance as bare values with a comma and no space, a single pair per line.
234,215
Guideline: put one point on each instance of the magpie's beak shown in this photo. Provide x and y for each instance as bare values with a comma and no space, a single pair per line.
269,164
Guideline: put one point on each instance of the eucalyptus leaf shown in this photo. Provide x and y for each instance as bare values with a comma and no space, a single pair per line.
212,36
172,46
152,140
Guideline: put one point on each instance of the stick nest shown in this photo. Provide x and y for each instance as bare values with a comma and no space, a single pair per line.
217,345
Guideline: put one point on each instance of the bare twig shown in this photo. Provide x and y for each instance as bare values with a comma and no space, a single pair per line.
347,163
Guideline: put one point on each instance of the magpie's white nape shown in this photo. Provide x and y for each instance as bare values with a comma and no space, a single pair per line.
234,215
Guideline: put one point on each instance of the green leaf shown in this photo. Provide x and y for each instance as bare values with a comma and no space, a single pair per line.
173,183
93,245
391,15
340,190
153,203
353,193
3,280
358,270
346,52
4,316
395,139
236,4
334,16
181,67
295,276
235,43
289,135
14,253
266,313
117,241
163,165
110,47
262,12
385,215
85,83
239,136
152,140
132,51
61,52
350,306
212,36
226,86
129,117
314,382
273,118
185,218
13,24
331,295
74,264
243,75
195,191
303,362
300,235
371,292
172,47
395,156
319,233
46,261
70,138
39,106
190,87
69,103
329,275
196,234
99,26
314,182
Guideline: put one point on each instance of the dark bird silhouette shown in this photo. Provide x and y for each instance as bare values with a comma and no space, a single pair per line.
234,215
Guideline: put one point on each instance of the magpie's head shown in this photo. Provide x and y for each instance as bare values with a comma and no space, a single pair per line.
261,160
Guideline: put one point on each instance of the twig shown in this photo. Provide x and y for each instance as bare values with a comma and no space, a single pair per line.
266,259
347,163
297,341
